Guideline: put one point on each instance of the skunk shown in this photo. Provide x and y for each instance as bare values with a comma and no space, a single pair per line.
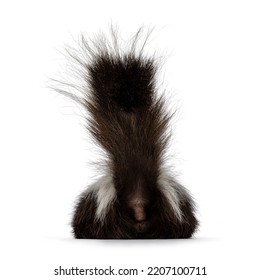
136,197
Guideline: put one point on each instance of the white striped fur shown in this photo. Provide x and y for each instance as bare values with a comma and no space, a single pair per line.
173,191
105,193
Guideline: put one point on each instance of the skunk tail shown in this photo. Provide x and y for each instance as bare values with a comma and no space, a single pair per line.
127,119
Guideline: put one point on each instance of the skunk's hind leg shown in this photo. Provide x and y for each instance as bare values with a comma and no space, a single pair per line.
92,209
84,217
178,208
188,225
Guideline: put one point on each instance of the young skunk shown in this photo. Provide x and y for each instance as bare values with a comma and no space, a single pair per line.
137,197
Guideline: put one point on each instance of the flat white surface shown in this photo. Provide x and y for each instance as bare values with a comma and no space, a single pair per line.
212,69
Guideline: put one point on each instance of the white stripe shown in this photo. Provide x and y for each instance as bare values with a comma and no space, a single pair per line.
173,192
105,193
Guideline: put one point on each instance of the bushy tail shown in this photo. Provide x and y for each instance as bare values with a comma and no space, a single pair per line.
126,117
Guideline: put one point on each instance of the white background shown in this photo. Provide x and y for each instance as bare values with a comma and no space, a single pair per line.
212,68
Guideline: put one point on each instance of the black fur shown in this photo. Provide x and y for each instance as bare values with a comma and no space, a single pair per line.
126,82
128,120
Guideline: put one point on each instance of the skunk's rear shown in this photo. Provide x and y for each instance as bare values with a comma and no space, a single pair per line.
136,198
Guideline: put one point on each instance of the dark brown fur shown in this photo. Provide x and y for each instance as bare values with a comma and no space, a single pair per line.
129,122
